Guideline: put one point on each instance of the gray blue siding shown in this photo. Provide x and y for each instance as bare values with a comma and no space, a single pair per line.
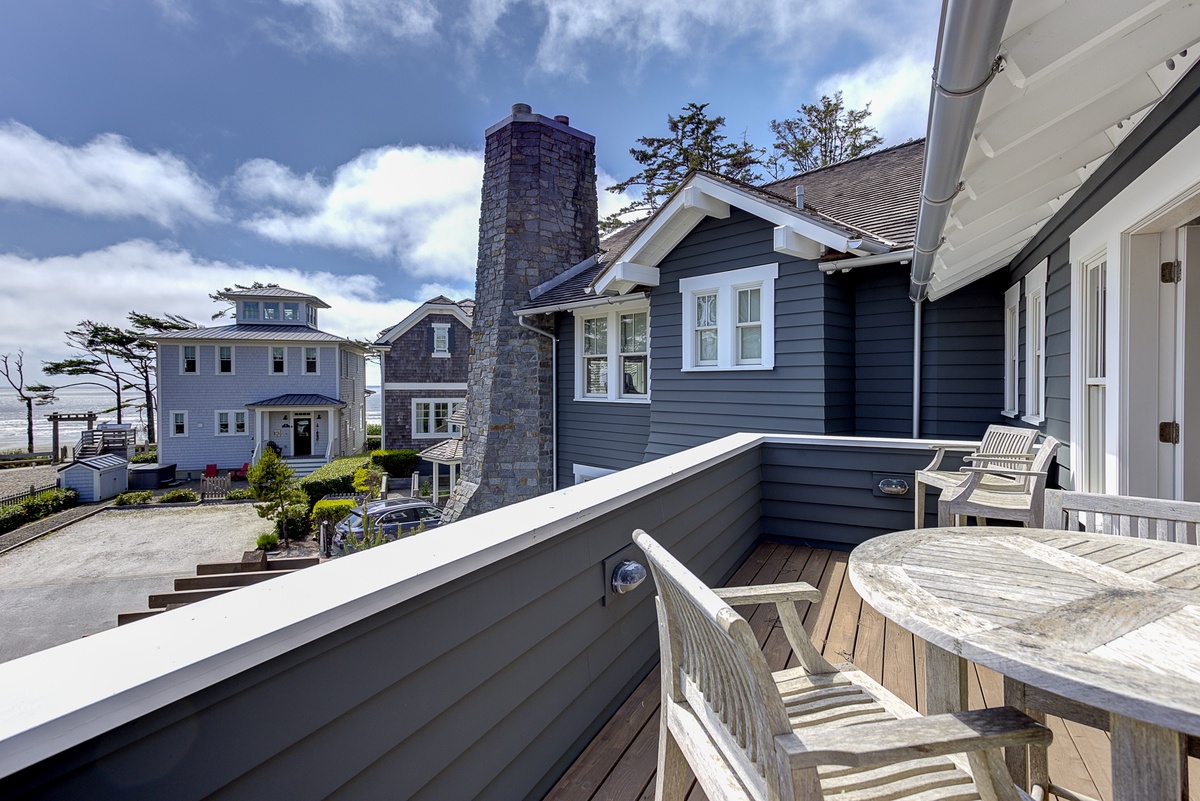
883,352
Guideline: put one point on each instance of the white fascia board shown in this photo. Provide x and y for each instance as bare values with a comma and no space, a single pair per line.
624,276
789,242
694,198
596,300
417,316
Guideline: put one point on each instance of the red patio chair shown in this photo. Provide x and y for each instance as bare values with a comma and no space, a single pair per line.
240,473
210,471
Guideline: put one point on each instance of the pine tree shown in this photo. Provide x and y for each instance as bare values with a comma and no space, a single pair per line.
825,133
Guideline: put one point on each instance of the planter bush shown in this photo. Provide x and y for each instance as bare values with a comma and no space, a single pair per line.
149,457
267,541
41,505
134,498
296,515
331,510
179,496
396,464
239,494
335,478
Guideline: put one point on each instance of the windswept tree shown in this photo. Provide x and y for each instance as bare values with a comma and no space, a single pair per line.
825,133
13,370
694,142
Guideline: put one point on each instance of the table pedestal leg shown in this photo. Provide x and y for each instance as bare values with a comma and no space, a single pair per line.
945,681
1149,763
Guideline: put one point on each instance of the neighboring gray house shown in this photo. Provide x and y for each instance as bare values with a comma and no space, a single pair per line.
226,393
424,372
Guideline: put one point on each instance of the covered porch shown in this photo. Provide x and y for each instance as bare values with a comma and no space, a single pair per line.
302,428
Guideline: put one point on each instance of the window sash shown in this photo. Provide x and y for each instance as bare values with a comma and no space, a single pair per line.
189,358
250,310
729,319
291,311
310,361
441,339
278,360
179,423
432,417
222,422
225,359
270,311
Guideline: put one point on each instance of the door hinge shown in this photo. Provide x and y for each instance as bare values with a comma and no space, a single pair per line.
1172,272
1168,433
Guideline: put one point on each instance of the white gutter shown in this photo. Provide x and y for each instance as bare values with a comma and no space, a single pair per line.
846,265
968,42
916,402
553,394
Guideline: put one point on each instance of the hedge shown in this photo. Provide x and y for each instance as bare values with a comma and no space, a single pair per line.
397,464
41,505
134,498
331,510
335,478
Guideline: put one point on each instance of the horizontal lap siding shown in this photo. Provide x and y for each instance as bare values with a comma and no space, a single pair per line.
1058,358
608,435
690,408
487,687
883,352
962,361
824,495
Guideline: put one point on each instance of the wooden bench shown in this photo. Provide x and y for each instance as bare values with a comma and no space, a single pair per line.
809,732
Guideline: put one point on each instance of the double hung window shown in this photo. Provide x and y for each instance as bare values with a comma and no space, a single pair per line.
179,424
311,364
431,417
279,360
225,359
188,353
231,423
729,319
441,339
1035,344
614,354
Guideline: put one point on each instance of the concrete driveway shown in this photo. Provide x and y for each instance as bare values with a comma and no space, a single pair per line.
74,582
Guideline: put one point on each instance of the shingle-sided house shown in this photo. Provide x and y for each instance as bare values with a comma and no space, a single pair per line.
1049,284
424,372
227,392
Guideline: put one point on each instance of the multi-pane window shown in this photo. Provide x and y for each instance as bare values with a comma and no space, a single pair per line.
613,348
635,352
278,360
291,312
728,319
1095,368
250,310
431,416
1012,353
225,358
179,424
270,311
231,423
189,359
311,365
441,339
1035,344
312,316
749,325
595,356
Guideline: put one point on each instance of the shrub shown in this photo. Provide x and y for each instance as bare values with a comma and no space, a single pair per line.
331,510
335,478
374,429
372,444
134,498
39,506
396,463
148,457
179,496
296,515
239,494
13,517
367,480
267,541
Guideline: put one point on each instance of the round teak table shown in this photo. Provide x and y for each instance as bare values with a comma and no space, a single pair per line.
1110,622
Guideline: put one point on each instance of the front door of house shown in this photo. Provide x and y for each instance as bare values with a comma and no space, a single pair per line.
302,436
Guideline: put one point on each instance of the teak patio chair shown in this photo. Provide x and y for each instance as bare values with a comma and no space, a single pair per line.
1123,515
1020,499
1000,444
809,732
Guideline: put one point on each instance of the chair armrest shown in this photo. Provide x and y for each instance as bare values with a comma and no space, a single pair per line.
1000,457
769,593
941,453
1004,471
913,738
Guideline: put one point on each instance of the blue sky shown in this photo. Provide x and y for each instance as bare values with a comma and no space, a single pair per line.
152,151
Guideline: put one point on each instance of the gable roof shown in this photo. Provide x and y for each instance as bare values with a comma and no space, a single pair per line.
272,292
1071,82
462,311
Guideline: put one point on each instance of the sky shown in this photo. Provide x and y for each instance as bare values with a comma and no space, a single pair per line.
154,151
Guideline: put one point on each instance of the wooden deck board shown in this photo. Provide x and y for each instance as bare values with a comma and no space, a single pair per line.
618,765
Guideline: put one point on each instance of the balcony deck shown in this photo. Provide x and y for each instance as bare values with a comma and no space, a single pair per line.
619,764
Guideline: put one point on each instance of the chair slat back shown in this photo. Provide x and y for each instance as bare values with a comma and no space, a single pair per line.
1006,440
1123,516
712,663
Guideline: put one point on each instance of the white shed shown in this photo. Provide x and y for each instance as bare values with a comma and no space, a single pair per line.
96,478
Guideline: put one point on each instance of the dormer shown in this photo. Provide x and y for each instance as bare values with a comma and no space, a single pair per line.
274,305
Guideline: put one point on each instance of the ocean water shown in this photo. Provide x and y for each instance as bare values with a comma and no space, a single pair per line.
77,400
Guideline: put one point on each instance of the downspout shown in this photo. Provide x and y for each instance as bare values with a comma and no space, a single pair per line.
553,394
966,62
916,402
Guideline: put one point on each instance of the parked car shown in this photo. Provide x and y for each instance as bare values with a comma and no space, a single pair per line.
397,517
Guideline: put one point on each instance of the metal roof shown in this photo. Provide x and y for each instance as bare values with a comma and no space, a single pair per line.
104,461
254,332
298,399
273,292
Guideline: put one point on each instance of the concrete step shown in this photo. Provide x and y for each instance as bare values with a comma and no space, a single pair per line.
304,466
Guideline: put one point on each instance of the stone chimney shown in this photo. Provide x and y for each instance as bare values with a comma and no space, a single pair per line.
538,217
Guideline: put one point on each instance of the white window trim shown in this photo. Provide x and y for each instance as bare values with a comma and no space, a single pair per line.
232,432
1012,342
413,419
1035,345
726,286
171,423
257,310
183,359
444,330
283,318
585,472
304,360
278,318
271,359
232,359
613,315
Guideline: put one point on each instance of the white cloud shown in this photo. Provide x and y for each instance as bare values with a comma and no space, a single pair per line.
107,177
44,297
347,25
416,205
175,11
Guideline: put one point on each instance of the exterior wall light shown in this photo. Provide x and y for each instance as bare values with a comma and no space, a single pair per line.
628,576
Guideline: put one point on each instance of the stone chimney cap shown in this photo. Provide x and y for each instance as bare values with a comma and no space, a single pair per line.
563,118
522,112
522,108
